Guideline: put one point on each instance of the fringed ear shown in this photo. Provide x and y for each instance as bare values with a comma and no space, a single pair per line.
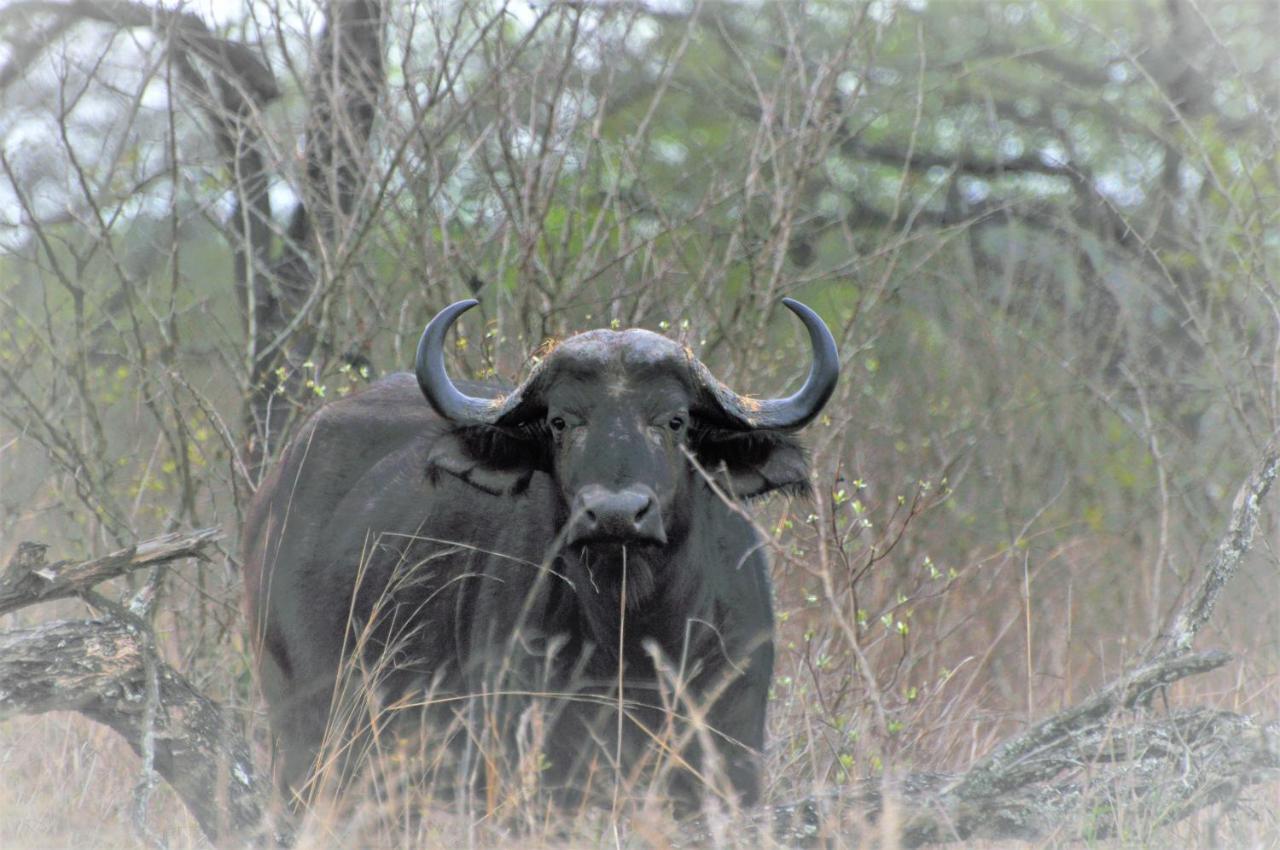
499,461
751,464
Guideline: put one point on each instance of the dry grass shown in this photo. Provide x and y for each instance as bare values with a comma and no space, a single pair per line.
70,782
886,665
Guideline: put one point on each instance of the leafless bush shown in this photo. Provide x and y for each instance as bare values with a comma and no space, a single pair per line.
1043,233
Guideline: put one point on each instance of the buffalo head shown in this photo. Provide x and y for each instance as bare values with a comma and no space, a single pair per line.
625,422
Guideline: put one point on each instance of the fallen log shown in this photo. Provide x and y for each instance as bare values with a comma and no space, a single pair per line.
108,670
99,668
1070,773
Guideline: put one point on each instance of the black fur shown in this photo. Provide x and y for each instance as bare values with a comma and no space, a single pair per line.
461,579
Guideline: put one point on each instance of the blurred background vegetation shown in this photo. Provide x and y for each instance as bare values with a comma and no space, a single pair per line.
1045,234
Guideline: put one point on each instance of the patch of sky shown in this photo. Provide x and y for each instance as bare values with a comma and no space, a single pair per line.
283,200
849,83
522,142
1113,186
669,150
1119,72
974,190
1052,153
681,8
215,12
641,33
587,58
841,173
525,14
1190,178
224,206
882,11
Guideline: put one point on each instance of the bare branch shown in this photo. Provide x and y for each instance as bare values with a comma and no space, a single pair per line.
1169,767
1188,620
916,160
235,60
29,46
28,580
1007,767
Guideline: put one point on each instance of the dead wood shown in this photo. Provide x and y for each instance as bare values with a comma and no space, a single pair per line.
99,668
1074,773
28,579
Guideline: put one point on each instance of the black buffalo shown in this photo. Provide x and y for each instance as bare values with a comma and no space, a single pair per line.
494,554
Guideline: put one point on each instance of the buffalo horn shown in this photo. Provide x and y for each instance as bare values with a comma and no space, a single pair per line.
800,408
445,398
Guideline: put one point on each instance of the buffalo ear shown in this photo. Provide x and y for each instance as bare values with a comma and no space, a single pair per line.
750,464
499,461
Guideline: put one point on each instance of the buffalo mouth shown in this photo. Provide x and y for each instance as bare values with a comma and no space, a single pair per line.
626,517
614,544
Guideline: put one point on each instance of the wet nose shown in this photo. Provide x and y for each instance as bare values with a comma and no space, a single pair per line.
628,515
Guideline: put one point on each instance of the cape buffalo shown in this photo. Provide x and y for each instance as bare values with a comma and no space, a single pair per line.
511,568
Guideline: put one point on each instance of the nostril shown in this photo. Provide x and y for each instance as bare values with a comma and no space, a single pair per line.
590,516
644,510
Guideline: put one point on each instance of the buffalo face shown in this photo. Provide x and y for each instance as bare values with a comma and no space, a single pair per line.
618,420
625,422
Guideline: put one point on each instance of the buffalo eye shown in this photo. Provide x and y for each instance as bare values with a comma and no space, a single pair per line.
676,423
557,423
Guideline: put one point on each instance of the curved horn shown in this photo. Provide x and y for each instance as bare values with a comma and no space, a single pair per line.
799,409
447,400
